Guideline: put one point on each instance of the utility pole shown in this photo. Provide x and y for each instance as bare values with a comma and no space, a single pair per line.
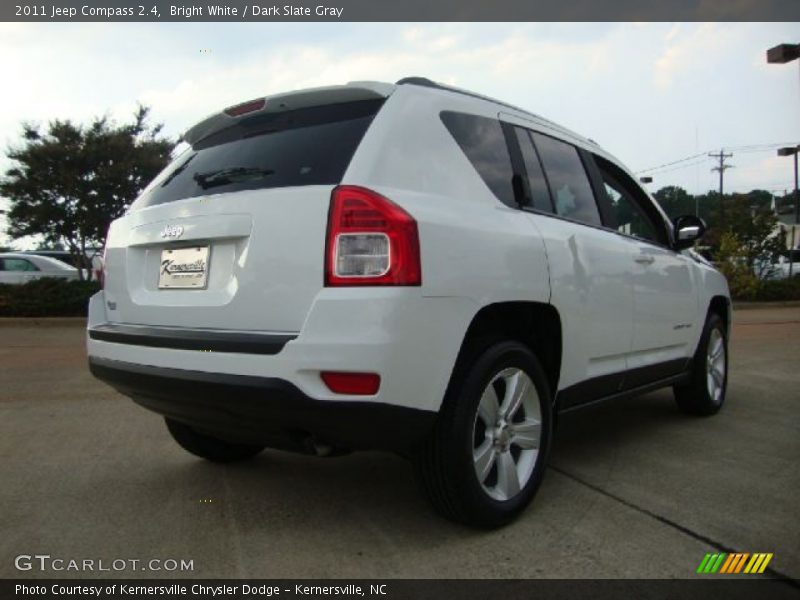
721,168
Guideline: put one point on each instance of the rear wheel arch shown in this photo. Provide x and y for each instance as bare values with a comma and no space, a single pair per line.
536,325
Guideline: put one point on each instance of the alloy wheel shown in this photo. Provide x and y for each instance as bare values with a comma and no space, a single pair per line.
506,434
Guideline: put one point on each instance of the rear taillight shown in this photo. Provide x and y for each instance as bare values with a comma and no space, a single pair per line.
371,241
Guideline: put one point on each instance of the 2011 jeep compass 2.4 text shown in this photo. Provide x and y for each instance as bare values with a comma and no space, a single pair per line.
405,267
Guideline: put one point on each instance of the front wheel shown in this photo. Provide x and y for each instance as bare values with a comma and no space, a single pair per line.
705,392
486,457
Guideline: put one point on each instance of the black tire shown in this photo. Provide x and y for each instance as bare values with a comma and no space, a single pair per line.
444,465
695,397
208,447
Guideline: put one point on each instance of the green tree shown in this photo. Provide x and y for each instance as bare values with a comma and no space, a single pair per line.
69,182
675,201
708,205
755,228
759,198
743,283
747,218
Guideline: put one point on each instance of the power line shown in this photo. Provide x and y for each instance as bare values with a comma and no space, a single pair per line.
682,166
760,147
669,164
748,148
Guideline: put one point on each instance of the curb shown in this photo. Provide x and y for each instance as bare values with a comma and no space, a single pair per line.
737,305
42,321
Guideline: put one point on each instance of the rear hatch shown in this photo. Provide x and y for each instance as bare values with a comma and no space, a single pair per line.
231,235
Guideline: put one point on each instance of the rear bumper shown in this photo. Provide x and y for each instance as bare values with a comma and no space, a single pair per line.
409,340
264,410
265,387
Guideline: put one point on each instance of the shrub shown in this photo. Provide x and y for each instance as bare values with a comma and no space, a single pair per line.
743,283
780,289
46,297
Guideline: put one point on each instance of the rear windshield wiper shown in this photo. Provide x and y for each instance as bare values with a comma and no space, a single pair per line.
230,175
178,170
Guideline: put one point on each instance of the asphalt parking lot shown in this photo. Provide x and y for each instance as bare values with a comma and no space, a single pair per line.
635,489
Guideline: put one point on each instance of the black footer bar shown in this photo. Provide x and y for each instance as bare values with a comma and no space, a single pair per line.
733,588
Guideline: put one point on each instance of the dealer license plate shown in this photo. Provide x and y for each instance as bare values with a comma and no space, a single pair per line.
184,268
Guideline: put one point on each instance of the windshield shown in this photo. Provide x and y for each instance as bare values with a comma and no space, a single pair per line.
309,146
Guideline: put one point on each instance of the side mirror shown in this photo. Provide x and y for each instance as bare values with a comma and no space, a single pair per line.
688,229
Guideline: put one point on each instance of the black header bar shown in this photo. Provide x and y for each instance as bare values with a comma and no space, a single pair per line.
398,10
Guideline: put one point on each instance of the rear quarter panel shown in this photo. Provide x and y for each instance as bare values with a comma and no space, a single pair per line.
475,250
472,245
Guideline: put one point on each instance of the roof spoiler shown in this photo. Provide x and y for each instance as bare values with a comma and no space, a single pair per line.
352,92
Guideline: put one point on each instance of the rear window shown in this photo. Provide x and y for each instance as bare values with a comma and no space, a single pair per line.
309,146
483,141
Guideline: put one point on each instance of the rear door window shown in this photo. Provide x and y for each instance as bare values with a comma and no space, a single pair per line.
569,184
484,143
309,146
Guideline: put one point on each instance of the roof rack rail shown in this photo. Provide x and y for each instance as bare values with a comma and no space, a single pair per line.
425,82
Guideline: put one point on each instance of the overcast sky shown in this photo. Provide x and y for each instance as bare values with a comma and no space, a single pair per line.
649,93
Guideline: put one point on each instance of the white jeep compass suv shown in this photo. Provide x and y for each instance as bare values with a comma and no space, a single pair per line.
405,267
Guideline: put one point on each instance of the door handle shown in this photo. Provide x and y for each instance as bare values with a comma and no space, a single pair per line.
645,259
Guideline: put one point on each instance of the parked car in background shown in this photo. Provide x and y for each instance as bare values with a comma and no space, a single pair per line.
19,267
61,255
788,265
93,254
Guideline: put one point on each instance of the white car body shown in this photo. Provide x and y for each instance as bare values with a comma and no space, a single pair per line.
628,312
23,267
